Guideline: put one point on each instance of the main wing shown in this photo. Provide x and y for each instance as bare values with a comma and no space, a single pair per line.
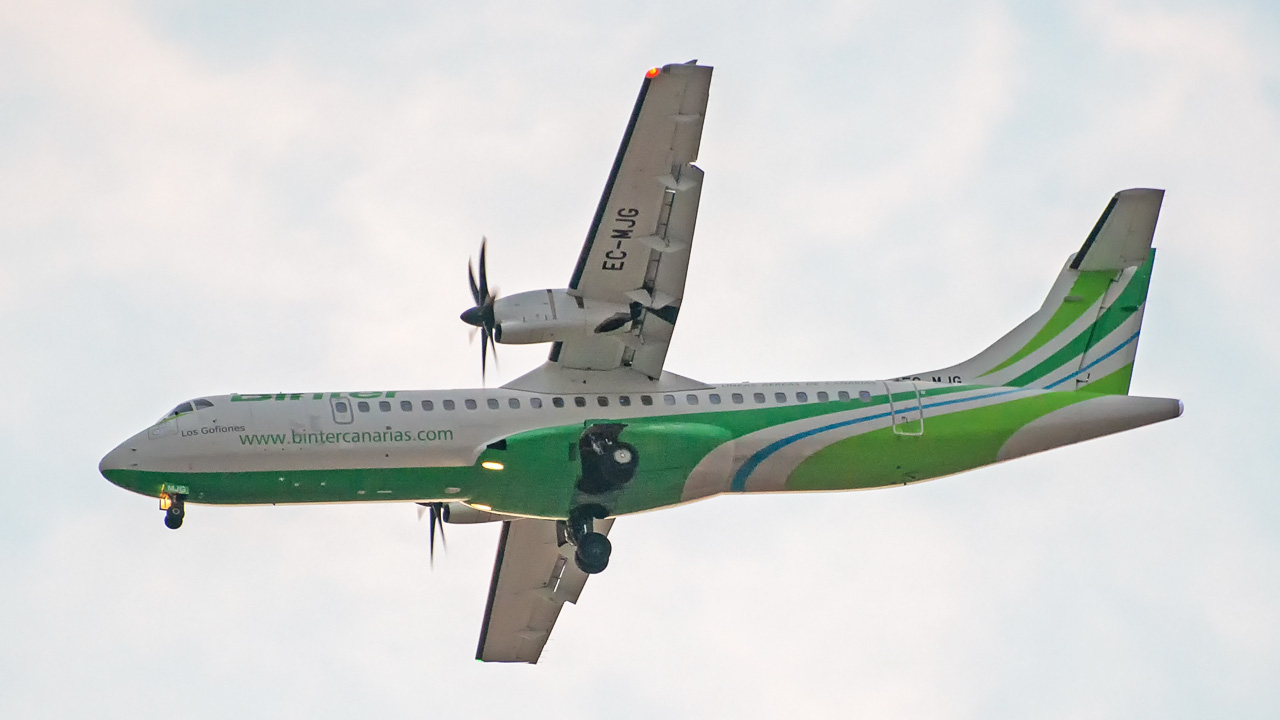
533,576
637,251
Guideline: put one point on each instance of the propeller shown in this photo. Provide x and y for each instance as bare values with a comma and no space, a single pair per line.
481,315
438,513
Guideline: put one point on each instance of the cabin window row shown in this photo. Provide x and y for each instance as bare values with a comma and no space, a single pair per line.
536,403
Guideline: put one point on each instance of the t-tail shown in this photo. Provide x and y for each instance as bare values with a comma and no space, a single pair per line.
1085,336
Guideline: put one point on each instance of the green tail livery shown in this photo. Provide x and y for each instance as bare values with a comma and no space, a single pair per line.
601,430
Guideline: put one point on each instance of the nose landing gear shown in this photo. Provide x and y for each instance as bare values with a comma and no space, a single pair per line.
175,509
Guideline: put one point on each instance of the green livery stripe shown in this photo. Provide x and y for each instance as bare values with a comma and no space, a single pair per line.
1117,383
1130,299
1087,290
951,443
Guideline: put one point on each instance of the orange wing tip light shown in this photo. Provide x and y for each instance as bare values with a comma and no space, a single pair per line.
653,72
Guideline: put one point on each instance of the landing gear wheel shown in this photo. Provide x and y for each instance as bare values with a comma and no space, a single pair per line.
174,514
607,462
619,465
593,553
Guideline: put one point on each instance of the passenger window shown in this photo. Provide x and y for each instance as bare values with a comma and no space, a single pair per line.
823,396
513,403
714,398
646,399
201,403
579,401
469,403
449,405
864,396
669,399
737,398
557,401
428,405
406,406
535,403
362,406
492,403
843,396
780,397
802,397
340,407
384,405
759,398
624,400
691,399
602,401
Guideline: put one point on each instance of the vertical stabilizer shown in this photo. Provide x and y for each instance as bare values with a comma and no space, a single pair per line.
1085,335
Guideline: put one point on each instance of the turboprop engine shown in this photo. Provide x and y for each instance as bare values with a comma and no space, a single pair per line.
456,513
537,316
542,316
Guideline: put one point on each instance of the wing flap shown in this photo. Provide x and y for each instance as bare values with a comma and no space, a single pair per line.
533,576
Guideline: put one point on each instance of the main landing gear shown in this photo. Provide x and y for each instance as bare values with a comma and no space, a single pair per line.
594,548
175,509
608,464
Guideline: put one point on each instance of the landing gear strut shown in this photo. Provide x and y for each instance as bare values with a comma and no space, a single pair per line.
175,509
594,548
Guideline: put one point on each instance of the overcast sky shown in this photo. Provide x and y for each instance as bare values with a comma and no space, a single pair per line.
212,197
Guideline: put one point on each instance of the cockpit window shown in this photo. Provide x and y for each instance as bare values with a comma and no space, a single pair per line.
186,407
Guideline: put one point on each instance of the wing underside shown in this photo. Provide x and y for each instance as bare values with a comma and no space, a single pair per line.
637,251
533,576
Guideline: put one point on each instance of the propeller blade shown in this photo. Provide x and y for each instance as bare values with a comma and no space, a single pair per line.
475,289
434,519
484,274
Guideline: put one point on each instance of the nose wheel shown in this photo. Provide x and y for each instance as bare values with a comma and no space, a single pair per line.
175,509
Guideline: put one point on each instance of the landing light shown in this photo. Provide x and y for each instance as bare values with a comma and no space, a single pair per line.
653,72
478,506
492,465
165,501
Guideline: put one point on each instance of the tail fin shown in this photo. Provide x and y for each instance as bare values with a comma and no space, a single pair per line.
1086,333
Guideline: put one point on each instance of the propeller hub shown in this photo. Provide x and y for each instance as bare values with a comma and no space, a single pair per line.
473,316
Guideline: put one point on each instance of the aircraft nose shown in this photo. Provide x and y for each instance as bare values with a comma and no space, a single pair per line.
121,458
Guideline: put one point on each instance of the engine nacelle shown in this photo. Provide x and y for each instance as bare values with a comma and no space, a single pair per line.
540,316
456,513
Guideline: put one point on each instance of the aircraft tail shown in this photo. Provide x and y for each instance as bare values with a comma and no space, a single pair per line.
1085,336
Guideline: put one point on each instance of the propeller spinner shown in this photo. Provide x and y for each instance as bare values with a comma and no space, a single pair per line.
481,315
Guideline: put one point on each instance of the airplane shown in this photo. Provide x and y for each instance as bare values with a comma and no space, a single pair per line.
602,430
